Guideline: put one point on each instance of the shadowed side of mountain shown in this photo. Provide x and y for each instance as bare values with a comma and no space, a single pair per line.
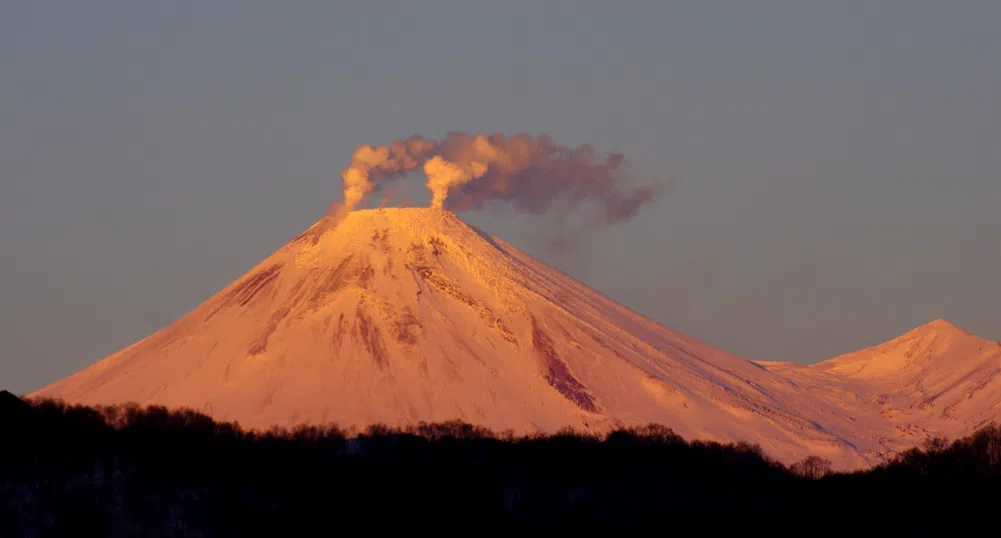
14,412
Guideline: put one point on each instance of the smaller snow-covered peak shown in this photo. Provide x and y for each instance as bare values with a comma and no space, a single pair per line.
938,327
932,345
940,324
936,336
941,328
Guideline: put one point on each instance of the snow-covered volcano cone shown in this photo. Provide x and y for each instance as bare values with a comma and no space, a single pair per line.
396,316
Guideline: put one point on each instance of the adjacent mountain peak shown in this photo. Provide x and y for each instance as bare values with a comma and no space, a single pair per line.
937,343
936,380
937,337
939,327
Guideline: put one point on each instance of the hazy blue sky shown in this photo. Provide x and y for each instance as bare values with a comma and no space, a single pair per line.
838,163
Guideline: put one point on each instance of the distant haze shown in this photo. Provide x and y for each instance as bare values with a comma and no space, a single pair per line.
835,168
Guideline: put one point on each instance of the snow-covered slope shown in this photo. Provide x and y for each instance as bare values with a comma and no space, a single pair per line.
936,380
402,315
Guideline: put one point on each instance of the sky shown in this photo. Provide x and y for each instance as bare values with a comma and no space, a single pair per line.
836,165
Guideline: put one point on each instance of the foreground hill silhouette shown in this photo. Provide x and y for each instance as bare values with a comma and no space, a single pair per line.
130,471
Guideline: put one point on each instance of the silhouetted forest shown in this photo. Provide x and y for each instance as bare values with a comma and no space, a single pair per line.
129,471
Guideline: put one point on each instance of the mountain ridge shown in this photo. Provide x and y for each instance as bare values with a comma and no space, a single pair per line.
935,337
936,380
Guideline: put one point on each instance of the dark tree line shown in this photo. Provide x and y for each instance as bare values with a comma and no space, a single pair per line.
128,471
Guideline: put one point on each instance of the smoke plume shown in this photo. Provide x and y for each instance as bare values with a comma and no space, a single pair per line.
531,173
369,165
443,175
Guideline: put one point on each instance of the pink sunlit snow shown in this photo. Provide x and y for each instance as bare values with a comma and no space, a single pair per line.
402,315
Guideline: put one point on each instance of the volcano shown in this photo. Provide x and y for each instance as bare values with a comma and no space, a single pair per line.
396,316
407,315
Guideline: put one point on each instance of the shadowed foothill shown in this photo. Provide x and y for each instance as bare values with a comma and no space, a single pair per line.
131,471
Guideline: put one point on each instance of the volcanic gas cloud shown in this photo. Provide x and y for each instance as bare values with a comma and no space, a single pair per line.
532,173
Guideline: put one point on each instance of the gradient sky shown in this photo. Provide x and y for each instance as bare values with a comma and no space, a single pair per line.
838,163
